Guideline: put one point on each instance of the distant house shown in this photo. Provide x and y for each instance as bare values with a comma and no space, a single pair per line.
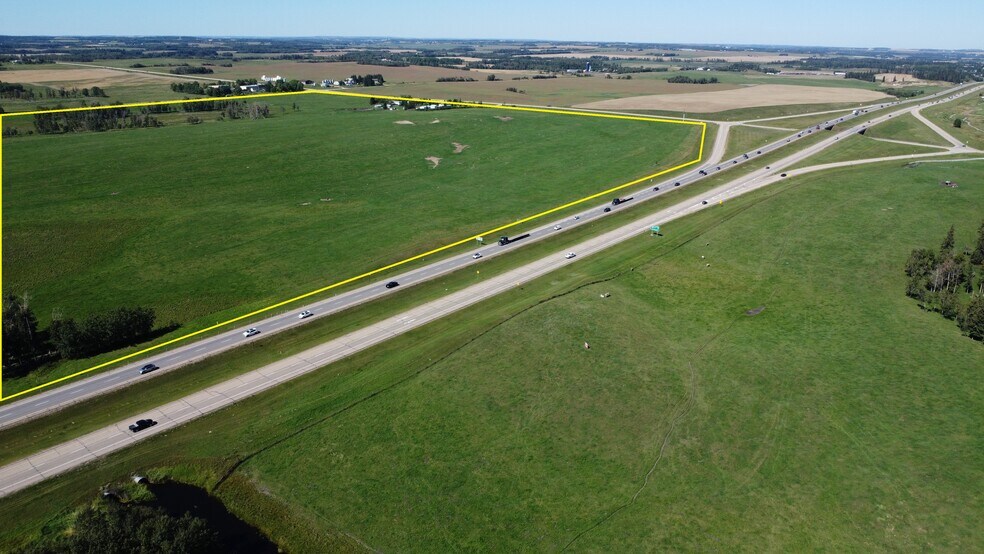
266,79
349,81
255,87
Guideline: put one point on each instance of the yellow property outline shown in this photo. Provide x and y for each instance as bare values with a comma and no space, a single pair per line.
700,155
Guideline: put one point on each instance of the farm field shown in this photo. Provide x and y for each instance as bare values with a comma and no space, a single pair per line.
414,445
202,222
747,97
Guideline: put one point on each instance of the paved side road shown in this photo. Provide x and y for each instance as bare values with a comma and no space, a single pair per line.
59,459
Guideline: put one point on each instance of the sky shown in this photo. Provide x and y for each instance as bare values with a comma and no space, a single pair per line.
944,24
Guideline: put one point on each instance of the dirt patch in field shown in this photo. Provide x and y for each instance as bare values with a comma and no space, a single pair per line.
434,160
755,311
435,121
403,122
458,147
747,97
503,118
83,78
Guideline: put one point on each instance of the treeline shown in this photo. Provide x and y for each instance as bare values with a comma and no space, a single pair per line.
91,120
231,109
558,65
186,69
862,76
226,89
691,81
950,282
949,71
17,91
397,59
25,347
371,80
455,79
902,92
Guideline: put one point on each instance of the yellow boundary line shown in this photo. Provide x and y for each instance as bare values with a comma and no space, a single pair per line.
700,156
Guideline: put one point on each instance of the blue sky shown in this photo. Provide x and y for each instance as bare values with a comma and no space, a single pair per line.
863,23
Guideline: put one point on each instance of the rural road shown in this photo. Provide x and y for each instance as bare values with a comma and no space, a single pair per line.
46,402
53,461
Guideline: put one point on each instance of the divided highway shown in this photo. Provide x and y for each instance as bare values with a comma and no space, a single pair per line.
14,412
53,461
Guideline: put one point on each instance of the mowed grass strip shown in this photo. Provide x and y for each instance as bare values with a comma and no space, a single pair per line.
206,222
862,147
838,418
906,127
743,139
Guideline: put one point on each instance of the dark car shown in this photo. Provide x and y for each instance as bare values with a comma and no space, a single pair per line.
759,152
782,175
148,368
392,284
655,189
702,172
142,424
607,210
703,202
676,184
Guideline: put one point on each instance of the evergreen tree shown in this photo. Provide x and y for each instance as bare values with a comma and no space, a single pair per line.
21,343
973,320
977,256
946,249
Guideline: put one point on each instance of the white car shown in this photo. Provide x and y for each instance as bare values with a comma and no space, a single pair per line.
252,331
556,227
304,314
476,255
569,255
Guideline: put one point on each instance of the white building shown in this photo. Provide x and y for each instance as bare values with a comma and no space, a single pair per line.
271,79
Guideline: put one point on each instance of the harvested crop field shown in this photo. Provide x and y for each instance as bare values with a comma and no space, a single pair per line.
746,97
85,77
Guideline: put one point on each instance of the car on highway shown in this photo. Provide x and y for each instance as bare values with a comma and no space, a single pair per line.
147,368
569,255
759,152
251,332
607,209
305,314
655,189
142,424
557,227
677,184
702,172
392,285
703,202
476,255
782,175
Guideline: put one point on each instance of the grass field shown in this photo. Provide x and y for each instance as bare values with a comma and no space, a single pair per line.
970,109
838,418
861,147
906,127
202,222
742,139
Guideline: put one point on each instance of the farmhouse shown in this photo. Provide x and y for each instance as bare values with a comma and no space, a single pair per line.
271,79
255,87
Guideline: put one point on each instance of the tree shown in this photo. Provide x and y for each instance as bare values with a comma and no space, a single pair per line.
491,77
977,256
946,248
958,123
21,343
973,320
